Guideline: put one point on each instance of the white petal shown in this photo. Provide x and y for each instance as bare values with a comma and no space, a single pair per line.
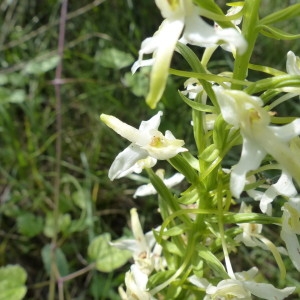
267,291
126,244
198,32
279,150
284,186
145,190
151,124
292,64
228,287
292,246
287,132
174,180
169,33
290,229
251,158
140,278
148,46
126,131
125,162
227,105
172,9
162,147
143,63
148,189
137,230
136,283
199,282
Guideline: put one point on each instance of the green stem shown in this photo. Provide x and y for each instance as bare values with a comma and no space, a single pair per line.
58,108
250,32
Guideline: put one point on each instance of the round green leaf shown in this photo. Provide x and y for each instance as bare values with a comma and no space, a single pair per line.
107,257
12,279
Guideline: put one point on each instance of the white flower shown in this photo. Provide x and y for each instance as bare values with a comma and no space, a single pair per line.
147,145
136,285
146,252
180,15
259,138
148,189
292,68
193,88
251,231
291,228
284,187
232,11
241,287
292,64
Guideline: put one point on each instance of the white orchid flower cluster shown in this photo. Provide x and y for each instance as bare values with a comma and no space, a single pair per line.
146,254
182,23
227,110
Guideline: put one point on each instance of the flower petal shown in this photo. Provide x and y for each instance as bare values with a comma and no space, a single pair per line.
132,159
284,186
251,158
151,124
170,31
292,64
126,131
287,132
198,32
290,229
267,291
164,147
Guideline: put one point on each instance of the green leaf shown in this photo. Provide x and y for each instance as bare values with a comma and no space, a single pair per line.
62,224
38,66
220,133
278,34
277,82
176,230
79,198
12,96
281,15
198,106
197,67
12,279
114,58
210,153
138,82
212,261
60,260
107,258
29,224
181,164
210,9
160,277
3,79
189,196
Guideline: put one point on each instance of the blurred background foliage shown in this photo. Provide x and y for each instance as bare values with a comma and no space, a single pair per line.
102,42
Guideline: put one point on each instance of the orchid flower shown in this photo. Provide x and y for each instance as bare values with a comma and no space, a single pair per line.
241,287
181,17
145,251
250,230
259,138
283,187
136,285
251,236
147,145
148,189
291,228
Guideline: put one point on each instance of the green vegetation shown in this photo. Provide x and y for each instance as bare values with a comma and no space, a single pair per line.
101,43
